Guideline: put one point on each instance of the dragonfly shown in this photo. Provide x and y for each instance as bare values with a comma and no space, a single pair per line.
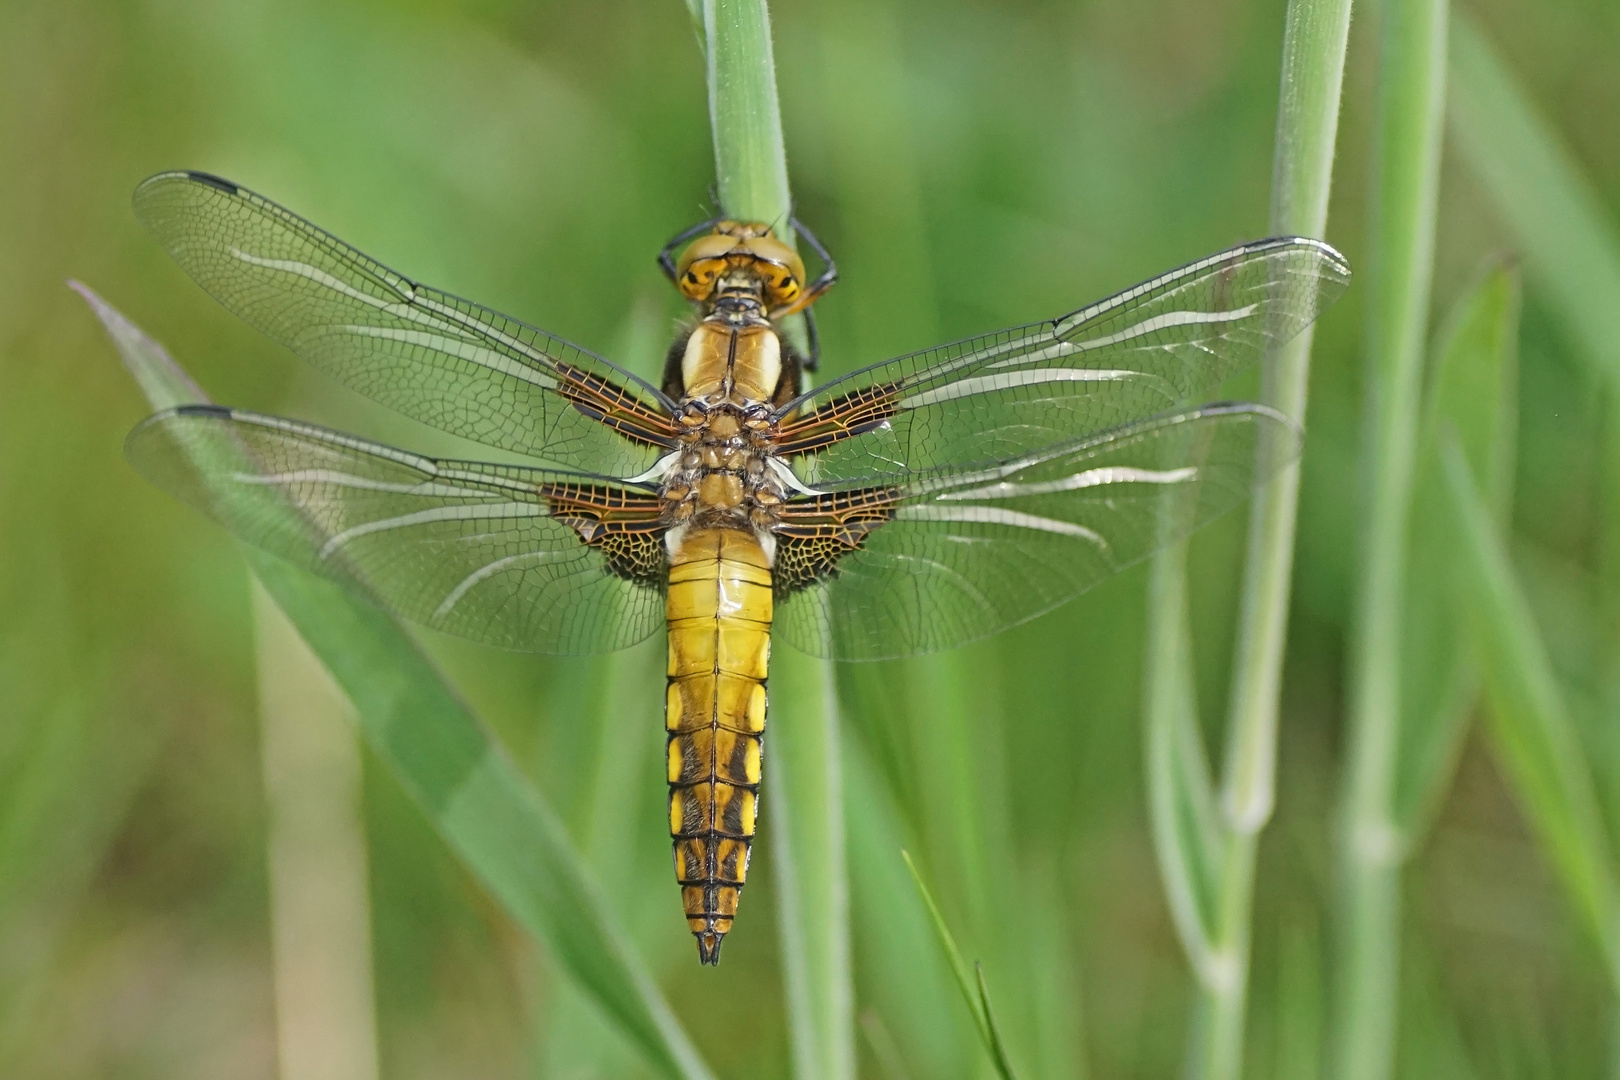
915,505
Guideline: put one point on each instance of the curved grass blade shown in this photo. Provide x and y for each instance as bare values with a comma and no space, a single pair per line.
474,794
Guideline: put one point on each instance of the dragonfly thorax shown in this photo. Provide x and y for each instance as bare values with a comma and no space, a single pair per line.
723,475
731,360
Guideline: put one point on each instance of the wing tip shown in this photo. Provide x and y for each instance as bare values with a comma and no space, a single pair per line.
145,189
202,409
212,181
1330,254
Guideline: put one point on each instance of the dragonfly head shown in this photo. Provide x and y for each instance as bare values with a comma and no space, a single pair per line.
741,257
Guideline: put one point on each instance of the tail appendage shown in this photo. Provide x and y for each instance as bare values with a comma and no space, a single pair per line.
719,612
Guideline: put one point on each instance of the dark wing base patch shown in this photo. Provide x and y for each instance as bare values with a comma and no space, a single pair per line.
815,533
626,528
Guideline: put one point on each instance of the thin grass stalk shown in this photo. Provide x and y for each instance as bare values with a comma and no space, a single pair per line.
1406,187
1314,44
806,809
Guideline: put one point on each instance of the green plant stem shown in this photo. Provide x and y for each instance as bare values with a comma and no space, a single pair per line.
807,817
1307,127
1406,186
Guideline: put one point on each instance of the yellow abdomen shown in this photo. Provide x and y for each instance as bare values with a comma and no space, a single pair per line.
719,613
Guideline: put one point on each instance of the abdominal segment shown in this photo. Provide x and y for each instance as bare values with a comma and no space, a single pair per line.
719,612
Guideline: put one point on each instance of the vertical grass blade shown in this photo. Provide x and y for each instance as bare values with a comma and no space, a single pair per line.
808,843
750,161
807,826
1215,858
1531,732
1411,97
1302,176
456,772
320,903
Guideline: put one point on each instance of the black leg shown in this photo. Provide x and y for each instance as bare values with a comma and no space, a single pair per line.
813,360
829,276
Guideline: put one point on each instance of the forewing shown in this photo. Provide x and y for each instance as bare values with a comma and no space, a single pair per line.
943,558
432,356
1156,347
521,558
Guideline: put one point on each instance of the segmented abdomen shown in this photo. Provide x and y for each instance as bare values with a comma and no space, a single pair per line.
719,613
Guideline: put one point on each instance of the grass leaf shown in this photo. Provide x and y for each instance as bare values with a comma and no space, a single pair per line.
455,771
998,1049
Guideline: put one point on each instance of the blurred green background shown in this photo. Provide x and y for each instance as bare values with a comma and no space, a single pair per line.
972,165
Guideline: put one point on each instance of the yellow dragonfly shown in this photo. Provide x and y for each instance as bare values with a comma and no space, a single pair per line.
917,504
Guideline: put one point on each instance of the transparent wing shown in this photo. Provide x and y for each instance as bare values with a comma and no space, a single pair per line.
434,357
1152,348
521,558
942,558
